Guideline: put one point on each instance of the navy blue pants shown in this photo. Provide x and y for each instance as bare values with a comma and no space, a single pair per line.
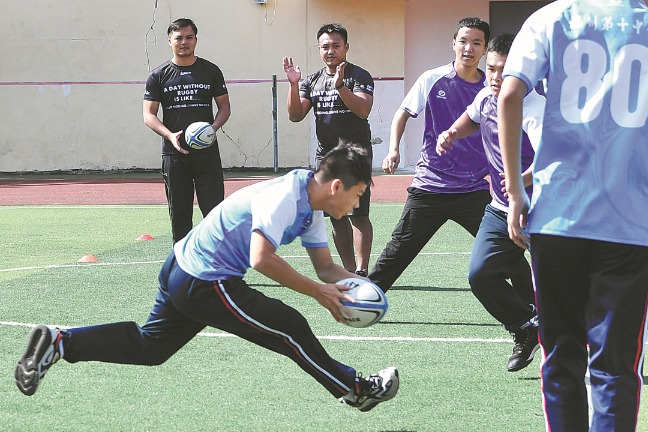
591,293
201,172
494,259
185,305
423,214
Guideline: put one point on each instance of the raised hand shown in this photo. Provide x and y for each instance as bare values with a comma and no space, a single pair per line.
293,73
338,78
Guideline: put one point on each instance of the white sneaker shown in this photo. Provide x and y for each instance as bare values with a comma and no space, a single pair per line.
369,392
41,353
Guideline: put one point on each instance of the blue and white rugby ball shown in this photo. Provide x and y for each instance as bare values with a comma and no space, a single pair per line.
199,135
370,302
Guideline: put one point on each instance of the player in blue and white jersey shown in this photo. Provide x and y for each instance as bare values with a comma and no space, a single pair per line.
201,284
495,258
587,219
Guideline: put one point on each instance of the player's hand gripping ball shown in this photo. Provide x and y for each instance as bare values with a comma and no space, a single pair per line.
370,302
199,135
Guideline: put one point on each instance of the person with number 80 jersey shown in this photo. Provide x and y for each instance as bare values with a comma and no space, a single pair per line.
587,219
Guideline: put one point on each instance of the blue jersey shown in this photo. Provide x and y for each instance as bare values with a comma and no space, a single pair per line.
219,246
444,97
591,168
483,111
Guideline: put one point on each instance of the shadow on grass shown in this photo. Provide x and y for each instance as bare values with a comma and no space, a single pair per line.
533,378
463,324
399,430
424,288
394,288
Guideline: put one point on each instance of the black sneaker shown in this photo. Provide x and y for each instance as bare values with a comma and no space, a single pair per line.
41,353
362,273
526,344
369,392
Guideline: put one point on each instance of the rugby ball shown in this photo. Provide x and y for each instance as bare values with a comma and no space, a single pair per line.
370,302
199,135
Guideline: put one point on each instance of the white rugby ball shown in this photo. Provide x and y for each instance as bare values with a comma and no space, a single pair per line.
370,302
199,135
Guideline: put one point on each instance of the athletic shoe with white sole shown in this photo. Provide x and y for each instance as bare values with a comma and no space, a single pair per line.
524,349
44,348
369,392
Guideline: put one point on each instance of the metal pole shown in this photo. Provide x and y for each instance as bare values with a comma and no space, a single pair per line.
274,123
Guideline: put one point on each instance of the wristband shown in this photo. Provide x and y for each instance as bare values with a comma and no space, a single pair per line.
340,86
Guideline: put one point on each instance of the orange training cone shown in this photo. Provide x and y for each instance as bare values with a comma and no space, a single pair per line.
88,258
145,237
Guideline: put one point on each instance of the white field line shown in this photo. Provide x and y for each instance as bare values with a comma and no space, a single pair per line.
340,338
61,266
209,334
85,207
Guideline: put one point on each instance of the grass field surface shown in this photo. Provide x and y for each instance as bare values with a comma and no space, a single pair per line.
450,353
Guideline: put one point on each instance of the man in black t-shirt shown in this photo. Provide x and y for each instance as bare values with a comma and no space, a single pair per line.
185,86
341,95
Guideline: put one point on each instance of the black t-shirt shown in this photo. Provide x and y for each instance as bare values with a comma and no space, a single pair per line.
333,120
186,94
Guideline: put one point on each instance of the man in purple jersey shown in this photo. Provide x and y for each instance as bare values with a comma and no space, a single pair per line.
184,87
495,258
452,187
341,95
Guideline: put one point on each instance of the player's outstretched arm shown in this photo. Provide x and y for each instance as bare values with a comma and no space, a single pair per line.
509,113
324,266
391,161
264,259
461,128
151,120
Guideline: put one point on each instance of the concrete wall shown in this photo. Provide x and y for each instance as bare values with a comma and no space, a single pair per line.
429,27
74,71
428,44
73,77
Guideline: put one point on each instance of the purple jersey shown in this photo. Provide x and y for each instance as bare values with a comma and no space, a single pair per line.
483,111
444,96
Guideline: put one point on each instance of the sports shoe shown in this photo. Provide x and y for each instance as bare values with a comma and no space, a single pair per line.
362,273
43,350
369,392
526,344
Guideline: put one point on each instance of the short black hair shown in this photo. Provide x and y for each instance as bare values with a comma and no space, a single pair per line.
333,28
473,22
349,162
501,44
182,23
